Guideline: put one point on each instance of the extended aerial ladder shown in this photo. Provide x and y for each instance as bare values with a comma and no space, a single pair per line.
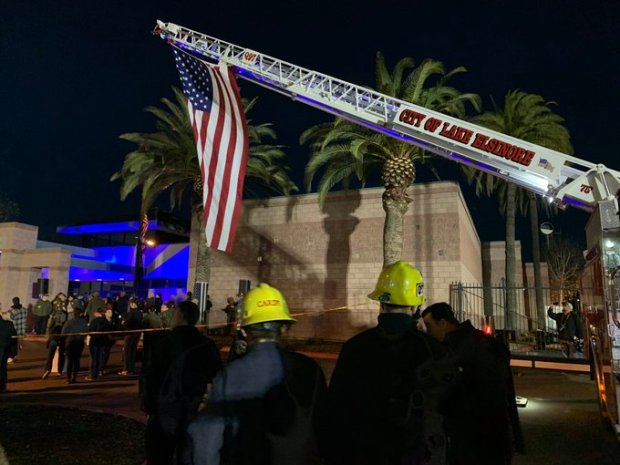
562,179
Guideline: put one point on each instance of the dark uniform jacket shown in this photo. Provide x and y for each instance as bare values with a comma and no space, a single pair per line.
377,400
8,344
265,409
568,325
200,371
481,416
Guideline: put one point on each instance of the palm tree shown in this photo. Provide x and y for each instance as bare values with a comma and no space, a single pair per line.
346,150
166,161
527,117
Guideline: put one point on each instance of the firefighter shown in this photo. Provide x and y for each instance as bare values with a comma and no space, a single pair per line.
265,406
382,406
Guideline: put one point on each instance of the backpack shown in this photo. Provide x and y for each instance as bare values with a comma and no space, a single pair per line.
281,428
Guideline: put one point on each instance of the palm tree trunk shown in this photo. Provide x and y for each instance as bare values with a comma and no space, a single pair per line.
540,304
203,252
395,210
511,295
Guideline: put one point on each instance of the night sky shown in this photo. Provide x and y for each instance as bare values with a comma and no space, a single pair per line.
75,75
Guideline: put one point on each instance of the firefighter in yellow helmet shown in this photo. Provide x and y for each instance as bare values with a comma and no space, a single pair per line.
267,401
379,398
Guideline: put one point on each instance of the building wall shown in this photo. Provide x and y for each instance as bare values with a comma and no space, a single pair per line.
326,260
494,256
21,264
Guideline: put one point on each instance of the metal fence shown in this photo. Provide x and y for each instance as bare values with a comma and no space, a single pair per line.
482,304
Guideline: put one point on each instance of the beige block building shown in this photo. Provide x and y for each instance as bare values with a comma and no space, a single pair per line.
329,258
22,264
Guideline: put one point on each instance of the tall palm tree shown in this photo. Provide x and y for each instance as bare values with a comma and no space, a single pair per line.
166,161
346,150
530,118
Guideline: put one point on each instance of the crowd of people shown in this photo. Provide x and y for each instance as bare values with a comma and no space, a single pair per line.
419,388
70,323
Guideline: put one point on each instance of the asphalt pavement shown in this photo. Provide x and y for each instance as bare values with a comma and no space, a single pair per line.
561,421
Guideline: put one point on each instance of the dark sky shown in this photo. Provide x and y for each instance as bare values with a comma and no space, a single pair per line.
75,75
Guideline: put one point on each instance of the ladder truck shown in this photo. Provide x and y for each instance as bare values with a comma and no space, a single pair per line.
560,178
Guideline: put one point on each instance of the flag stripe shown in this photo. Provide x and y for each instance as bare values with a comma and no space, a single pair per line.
222,144
234,194
228,155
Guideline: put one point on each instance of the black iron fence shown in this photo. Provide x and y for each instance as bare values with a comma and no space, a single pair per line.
526,327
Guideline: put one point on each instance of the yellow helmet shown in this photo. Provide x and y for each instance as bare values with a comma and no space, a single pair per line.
264,303
399,284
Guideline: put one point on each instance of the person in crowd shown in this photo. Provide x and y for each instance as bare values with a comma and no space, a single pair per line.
569,328
383,399
158,302
19,317
69,306
74,332
231,315
112,325
95,304
132,323
167,310
8,349
5,314
121,305
152,324
78,302
208,307
42,310
173,384
55,341
266,406
150,300
189,296
480,407
98,342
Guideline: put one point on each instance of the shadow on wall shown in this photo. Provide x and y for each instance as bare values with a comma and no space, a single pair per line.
339,224
277,263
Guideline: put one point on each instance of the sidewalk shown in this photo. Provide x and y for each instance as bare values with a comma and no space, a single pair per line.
111,394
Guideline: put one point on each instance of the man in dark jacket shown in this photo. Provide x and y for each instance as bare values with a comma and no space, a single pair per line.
480,412
98,342
182,363
265,406
569,327
381,406
8,349
132,323
74,330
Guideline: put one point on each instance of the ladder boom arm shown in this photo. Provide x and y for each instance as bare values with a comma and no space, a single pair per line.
561,178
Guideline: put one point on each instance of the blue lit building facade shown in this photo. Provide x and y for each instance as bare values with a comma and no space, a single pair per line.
103,256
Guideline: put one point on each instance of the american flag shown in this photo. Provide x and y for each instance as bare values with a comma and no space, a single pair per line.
221,135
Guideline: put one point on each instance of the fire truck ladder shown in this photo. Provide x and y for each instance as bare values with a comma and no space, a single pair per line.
560,178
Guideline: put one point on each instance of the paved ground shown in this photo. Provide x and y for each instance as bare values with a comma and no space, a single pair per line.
561,422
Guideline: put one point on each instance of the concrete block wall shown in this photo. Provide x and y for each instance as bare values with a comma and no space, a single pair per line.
494,256
326,258
21,264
